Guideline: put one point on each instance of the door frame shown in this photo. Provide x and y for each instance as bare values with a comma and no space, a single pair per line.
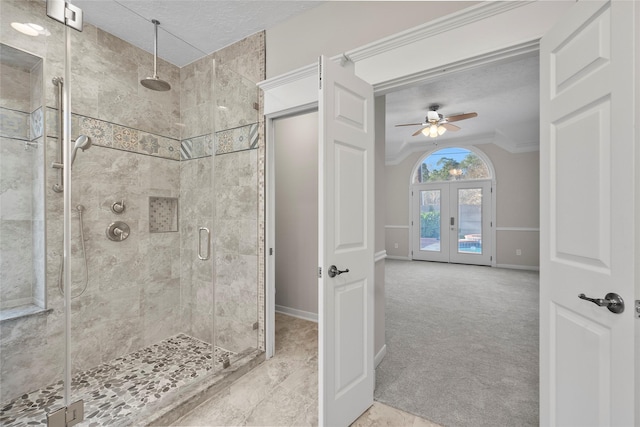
270,221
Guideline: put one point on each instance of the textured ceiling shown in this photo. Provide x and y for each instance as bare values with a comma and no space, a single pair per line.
505,96
189,29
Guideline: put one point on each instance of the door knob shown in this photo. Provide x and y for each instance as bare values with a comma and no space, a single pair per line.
612,301
333,271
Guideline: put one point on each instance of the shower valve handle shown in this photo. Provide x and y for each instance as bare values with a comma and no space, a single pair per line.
118,231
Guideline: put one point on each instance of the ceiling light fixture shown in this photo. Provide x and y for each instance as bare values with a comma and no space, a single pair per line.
434,130
30,29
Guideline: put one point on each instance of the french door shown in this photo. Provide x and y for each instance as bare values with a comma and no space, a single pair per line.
451,222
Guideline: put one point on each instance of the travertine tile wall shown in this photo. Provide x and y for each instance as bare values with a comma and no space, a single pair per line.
138,291
223,193
21,155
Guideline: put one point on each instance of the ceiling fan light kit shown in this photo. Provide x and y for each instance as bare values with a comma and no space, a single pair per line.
436,124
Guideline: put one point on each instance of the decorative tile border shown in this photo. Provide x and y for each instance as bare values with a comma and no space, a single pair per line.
237,139
37,124
197,147
111,135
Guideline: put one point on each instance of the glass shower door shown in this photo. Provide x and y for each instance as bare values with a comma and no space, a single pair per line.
237,216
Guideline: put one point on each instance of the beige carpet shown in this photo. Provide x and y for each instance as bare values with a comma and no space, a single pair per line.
462,344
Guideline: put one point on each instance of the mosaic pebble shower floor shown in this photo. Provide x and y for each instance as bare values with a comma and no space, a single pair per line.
114,391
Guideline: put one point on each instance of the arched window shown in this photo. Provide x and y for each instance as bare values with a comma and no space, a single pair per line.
451,164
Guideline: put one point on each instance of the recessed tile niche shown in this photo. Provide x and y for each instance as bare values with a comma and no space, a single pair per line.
163,214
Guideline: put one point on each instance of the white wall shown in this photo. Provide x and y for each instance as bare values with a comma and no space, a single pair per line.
338,26
517,205
296,217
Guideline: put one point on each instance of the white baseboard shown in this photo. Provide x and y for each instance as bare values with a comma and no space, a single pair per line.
519,267
401,258
378,358
300,314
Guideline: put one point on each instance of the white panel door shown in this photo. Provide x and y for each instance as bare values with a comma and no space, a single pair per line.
587,355
346,240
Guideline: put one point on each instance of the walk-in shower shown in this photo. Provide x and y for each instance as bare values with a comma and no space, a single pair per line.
144,320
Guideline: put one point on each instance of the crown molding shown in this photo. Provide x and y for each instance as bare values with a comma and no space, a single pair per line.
432,28
412,35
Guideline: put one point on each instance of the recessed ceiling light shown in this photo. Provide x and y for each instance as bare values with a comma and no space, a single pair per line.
30,29
24,29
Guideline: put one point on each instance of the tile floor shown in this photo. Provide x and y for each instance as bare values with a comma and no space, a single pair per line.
283,391
115,392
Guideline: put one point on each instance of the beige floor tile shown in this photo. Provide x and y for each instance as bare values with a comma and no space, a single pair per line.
283,391
281,408
214,412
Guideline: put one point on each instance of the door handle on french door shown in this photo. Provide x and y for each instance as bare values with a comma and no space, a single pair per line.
333,271
612,301
200,256
452,221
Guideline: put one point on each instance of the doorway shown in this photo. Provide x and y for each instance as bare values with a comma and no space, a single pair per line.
451,207
451,222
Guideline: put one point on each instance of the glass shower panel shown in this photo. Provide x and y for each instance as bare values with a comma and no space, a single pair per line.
236,215
31,307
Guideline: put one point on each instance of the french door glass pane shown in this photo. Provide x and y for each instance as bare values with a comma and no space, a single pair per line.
430,220
470,220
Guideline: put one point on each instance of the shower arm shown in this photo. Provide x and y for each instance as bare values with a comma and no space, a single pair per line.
155,48
59,186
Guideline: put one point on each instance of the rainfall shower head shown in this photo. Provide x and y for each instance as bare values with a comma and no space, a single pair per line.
83,142
154,82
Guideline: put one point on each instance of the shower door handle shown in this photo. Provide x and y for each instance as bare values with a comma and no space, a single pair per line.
200,230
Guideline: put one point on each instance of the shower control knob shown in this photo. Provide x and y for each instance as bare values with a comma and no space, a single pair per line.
118,231
117,207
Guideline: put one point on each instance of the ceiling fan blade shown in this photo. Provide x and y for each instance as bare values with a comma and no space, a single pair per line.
418,132
411,124
461,117
449,126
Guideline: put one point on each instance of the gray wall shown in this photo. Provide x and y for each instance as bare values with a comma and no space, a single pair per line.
517,205
296,192
296,170
338,26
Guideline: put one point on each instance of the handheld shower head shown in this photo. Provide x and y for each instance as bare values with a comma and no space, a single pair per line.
83,142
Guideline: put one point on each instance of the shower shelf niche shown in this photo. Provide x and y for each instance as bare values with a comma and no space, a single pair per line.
163,214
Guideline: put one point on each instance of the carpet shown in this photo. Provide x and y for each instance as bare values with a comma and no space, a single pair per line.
462,344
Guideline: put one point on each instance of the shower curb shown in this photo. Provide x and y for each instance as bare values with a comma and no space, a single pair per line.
188,399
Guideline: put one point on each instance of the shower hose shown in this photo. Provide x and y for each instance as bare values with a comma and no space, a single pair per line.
80,209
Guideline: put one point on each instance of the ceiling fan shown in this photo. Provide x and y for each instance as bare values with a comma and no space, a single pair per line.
436,124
